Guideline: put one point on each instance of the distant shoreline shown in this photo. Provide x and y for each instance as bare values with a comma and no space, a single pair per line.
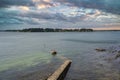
55,30
49,30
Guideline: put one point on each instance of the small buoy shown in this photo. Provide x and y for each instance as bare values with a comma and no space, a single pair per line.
53,52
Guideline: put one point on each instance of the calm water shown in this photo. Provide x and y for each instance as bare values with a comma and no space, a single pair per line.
30,52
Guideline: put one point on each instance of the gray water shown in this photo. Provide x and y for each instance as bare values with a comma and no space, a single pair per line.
22,52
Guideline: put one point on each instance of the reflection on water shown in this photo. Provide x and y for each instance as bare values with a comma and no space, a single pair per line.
94,42
27,55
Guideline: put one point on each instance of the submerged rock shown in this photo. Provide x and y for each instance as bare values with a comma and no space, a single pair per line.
118,55
53,52
100,50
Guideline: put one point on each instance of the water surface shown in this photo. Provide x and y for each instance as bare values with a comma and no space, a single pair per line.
29,53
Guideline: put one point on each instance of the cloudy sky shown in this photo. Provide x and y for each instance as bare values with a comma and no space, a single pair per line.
17,14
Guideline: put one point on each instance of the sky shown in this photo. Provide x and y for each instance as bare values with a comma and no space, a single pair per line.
19,14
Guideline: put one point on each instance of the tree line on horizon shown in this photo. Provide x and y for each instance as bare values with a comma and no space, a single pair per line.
51,30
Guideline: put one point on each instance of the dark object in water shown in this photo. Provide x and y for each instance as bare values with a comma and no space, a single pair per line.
100,50
118,55
53,52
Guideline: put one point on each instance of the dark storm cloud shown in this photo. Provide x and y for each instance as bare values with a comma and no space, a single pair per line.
48,16
112,6
53,16
31,17
7,3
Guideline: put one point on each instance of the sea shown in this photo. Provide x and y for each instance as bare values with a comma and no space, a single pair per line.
27,55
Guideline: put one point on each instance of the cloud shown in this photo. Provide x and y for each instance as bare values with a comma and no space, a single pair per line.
72,13
64,14
7,3
25,8
112,6
25,14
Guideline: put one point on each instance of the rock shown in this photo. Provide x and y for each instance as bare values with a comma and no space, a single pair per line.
53,52
100,50
118,55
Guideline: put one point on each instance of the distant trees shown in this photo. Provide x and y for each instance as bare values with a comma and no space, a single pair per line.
51,30
33,30
86,30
